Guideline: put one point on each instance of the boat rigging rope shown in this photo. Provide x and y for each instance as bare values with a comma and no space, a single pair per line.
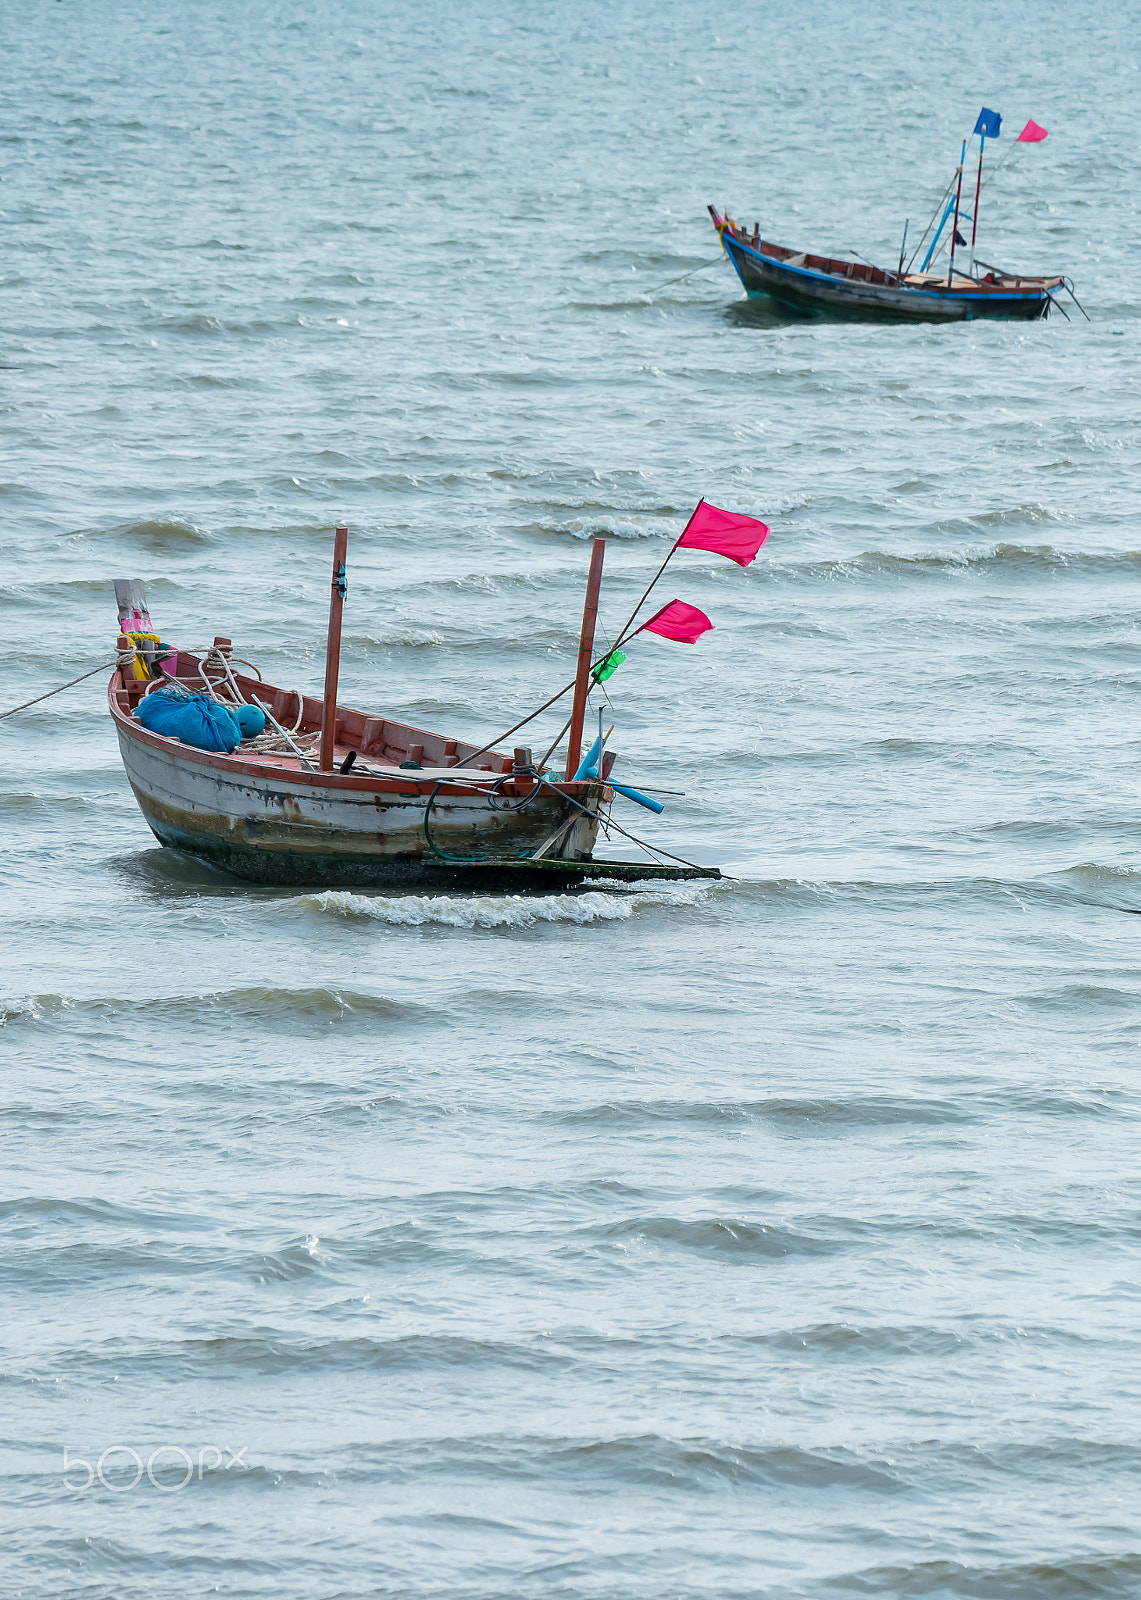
540,783
530,717
122,660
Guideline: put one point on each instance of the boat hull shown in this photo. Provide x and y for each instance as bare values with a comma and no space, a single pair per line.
807,291
271,829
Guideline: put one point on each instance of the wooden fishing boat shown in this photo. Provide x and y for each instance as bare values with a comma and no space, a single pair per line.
330,796
856,289
843,288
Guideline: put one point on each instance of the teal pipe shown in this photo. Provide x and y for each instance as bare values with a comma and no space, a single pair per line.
588,769
588,765
637,796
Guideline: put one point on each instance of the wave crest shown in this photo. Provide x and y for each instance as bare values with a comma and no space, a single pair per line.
163,532
485,911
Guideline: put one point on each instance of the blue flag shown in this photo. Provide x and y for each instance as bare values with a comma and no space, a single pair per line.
989,123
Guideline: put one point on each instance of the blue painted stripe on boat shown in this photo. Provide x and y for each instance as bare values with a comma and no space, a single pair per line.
903,288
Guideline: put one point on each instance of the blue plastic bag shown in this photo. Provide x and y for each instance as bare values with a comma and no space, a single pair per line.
198,721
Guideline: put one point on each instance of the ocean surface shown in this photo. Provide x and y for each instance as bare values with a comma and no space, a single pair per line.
771,1237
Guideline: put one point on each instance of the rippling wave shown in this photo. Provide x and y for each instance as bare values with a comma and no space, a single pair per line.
773,1235
495,911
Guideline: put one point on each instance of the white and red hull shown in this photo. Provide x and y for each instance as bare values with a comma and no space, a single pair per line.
270,819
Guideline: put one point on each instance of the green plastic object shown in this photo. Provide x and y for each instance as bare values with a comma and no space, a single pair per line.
609,665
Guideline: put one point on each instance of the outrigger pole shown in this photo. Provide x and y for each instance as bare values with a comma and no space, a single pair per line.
955,224
333,651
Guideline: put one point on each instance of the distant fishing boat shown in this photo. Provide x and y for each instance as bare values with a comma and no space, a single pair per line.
857,289
279,787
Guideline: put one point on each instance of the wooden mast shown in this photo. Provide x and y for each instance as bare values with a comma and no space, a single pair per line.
333,651
585,651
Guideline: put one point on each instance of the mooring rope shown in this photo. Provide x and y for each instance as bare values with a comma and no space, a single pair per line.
702,268
102,667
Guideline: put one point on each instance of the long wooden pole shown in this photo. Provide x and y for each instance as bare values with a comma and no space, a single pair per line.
333,651
622,637
903,247
585,651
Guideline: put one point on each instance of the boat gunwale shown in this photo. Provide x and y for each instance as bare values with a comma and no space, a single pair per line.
233,764
1037,287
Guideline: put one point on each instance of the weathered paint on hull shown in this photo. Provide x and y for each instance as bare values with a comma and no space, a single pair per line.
423,871
277,832
810,291
287,869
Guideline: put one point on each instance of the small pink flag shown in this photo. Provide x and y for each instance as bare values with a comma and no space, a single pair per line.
725,533
1031,134
678,621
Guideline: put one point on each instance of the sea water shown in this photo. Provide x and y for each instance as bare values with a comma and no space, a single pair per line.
776,1236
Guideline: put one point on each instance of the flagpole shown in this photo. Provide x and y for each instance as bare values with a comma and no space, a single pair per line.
624,633
978,191
622,637
955,224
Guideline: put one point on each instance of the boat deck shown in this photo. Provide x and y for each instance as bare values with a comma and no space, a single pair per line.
380,745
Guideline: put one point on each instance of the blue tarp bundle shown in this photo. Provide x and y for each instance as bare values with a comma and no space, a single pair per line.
198,721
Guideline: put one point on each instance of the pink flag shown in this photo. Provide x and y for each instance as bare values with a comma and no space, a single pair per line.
1031,134
725,533
678,621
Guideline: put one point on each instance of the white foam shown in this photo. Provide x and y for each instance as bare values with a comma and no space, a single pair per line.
32,1007
491,911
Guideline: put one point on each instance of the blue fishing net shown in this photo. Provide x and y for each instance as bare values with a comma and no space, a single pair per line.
198,721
